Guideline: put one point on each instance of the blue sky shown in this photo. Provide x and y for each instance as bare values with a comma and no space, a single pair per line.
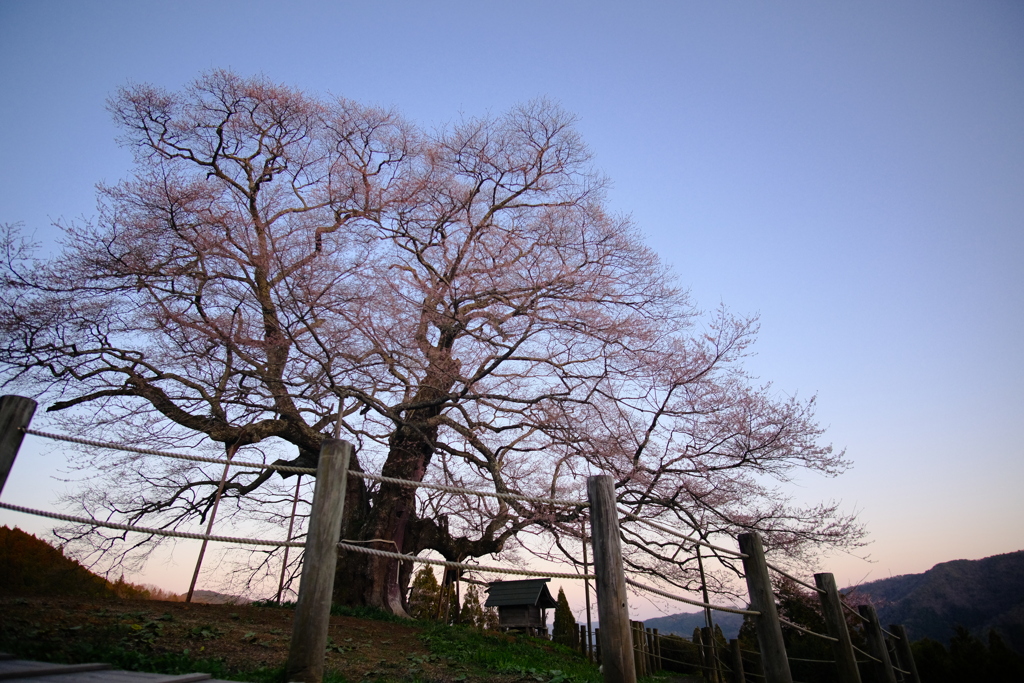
854,173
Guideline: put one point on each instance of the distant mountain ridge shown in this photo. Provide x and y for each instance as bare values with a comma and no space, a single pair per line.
976,594
682,624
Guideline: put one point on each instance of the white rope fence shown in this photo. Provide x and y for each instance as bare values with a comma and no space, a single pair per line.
794,579
696,603
145,530
562,502
167,454
807,630
461,565
870,656
348,546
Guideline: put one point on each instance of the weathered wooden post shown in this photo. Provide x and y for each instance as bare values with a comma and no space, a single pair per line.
876,644
657,651
835,622
736,662
15,415
313,611
638,652
711,647
906,655
612,605
769,630
597,643
702,654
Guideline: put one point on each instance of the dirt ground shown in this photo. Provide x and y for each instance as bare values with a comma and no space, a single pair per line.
244,636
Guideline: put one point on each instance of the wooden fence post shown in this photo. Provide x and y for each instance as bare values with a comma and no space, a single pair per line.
657,651
612,604
835,623
736,661
906,655
762,599
313,611
638,649
876,644
702,655
15,415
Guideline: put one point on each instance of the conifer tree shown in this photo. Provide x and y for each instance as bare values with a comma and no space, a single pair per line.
472,613
424,594
491,621
565,630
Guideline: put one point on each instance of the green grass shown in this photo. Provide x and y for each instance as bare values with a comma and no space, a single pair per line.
531,658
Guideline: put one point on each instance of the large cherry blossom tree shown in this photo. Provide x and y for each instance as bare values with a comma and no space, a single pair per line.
460,299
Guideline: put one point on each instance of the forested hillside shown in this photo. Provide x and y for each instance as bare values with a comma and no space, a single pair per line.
976,594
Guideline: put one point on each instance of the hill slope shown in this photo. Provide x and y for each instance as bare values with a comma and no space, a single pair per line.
977,594
30,566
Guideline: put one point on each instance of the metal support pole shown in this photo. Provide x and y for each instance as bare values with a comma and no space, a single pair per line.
291,527
769,630
612,603
586,593
15,415
313,611
209,525
876,644
835,623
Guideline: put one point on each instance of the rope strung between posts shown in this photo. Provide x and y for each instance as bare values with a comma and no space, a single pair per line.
308,470
853,611
676,661
460,565
812,661
145,530
688,601
874,659
167,454
807,631
565,502
794,579
673,532
891,635
290,544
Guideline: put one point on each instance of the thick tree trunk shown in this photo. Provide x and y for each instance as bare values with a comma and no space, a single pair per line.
384,520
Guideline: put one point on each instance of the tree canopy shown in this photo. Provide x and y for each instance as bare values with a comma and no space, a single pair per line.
460,300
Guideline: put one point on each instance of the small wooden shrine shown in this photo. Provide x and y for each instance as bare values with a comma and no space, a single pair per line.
522,605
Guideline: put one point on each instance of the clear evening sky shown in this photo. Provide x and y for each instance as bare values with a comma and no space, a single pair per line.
854,172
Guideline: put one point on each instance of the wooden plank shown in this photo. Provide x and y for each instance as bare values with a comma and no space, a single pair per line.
117,676
13,670
23,668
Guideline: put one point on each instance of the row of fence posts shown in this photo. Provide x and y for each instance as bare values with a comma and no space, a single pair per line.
623,648
627,650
